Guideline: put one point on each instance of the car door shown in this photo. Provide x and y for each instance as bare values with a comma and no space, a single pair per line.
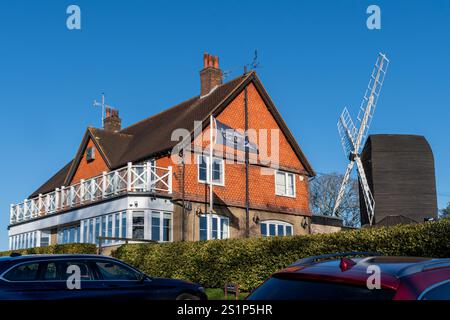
70,279
121,282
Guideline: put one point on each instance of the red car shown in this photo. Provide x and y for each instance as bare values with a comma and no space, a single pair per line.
368,277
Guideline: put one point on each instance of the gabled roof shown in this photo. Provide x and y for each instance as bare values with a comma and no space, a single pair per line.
152,136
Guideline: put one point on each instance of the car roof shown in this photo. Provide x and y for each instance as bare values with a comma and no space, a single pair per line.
392,269
30,257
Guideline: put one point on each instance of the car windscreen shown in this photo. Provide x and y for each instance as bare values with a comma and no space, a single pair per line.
300,289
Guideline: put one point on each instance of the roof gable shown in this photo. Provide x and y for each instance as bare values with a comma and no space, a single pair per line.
152,136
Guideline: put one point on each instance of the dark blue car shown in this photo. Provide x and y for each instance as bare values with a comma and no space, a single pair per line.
85,277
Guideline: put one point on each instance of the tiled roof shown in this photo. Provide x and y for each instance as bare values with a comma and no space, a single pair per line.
152,136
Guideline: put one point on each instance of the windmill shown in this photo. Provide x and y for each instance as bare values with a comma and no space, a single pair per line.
352,139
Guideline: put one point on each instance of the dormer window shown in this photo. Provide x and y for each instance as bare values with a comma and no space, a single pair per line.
90,154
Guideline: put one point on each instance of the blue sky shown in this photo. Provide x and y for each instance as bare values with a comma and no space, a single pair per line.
315,59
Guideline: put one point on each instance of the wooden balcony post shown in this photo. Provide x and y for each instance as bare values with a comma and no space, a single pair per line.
103,184
25,209
62,196
40,204
47,204
11,214
71,195
129,172
147,176
169,179
82,191
57,195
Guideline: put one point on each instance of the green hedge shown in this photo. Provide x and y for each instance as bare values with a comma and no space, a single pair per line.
82,248
250,261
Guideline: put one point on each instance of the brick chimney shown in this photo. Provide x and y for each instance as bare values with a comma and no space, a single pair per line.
112,122
211,75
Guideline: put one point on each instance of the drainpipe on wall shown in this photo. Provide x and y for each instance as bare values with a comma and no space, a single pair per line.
247,196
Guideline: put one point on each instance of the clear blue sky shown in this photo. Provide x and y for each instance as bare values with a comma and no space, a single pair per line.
316,57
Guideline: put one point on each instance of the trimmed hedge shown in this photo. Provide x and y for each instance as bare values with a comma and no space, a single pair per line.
250,261
82,248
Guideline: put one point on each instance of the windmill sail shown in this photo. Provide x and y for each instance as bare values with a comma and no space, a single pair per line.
352,139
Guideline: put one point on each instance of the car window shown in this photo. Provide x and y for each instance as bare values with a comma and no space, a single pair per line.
85,271
440,292
50,271
296,289
23,272
115,271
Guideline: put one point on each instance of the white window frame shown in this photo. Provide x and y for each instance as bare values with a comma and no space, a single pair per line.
286,175
276,223
160,215
208,178
219,226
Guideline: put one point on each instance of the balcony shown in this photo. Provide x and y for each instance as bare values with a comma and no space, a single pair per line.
140,178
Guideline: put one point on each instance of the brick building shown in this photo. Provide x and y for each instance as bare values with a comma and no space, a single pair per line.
131,183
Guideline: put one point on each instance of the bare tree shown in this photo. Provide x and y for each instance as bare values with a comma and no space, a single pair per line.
323,192
445,213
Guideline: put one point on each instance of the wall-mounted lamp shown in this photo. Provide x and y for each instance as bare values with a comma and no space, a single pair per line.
256,219
304,223
198,211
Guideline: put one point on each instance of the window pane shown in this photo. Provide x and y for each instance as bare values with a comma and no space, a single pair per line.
280,183
296,289
217,170
288,230
24,272
155,226
271,229
85,231
110,226
114,271
441,292
202,169
50,272
65,235
166,229
138,225
124,224
290,185
263,229
117,225
85,272
214,228
104,226
97,229
224,228
91,230
280,230
72,235
202,223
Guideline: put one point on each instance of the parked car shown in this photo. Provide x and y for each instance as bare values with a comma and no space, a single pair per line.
338,277
52,277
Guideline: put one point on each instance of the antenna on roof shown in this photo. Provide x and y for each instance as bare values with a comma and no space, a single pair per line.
255,63
103,105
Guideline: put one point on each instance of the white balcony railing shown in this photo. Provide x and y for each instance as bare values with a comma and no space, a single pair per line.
132,178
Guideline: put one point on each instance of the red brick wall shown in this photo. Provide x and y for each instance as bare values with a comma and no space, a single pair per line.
89,169
261,187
